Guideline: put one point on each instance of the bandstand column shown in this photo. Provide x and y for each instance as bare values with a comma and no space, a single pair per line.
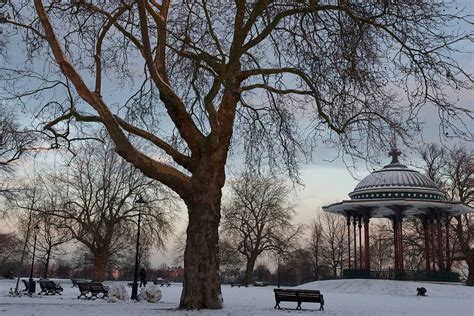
424,222
349,240
355,242
448,265
433,260
400,242
440,244
366,243
395,242
360,242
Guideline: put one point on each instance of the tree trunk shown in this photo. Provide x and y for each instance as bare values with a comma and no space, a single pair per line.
470,265
46,264
201,286
249,269
100,265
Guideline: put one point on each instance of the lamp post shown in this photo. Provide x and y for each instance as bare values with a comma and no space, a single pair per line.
139,200
278,271
31,284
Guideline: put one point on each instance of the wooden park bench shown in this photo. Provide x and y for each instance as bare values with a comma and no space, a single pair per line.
76,281
98,288
232,284
26,285
49,287
84,288
162,282
94,288
299,296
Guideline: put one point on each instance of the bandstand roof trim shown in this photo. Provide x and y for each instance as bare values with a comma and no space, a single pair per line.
389,207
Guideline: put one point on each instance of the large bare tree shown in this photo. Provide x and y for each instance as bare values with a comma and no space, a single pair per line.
98,192
190,72
257,218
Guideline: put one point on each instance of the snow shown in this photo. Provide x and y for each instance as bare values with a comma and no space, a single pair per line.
342,297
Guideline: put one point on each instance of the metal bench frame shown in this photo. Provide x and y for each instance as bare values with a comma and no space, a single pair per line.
298,296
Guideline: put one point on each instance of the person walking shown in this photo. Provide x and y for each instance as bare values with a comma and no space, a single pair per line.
142,274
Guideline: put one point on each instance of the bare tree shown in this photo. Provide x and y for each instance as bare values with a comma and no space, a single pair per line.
381,243
314,247
199,68
461,179
455,175
23,208
257,218
10,253
98,190
50,240
333,246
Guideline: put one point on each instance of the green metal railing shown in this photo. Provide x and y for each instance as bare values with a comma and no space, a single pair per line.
409,275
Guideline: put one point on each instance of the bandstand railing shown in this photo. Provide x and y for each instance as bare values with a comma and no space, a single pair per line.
408,275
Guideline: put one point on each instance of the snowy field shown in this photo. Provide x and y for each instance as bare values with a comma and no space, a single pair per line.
342,297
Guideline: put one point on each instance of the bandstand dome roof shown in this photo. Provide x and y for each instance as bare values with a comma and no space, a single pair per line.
396,180
396,187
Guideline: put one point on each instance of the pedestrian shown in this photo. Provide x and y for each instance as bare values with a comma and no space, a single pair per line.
142,277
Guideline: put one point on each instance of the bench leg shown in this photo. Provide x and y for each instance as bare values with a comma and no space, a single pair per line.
321,308
277,305
299,305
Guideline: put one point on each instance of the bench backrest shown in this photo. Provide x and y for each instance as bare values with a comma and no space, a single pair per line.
84,286
295,295
96,287
310,296
52,285
43,284
285,295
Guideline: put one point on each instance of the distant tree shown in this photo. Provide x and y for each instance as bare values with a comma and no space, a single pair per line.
50,240
299,260
257,218
262,273
99,190
230,260
381,246
454,172
10,253
23,208
273,74
314,247
333,241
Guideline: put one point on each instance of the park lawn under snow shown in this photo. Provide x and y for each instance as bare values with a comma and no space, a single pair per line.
342,297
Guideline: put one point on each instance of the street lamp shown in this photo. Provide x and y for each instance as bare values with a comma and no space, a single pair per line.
31,283
278,271
139,200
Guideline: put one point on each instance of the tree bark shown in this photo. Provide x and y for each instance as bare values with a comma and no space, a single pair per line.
46,264
470,265
249,269
201,287
100,265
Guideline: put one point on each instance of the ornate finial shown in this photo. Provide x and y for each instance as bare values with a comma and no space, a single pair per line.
394,153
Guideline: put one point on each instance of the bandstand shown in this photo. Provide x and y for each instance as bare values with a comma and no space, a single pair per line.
397,192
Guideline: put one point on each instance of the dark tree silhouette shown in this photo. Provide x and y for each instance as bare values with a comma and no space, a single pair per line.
453,171
98,192
257,219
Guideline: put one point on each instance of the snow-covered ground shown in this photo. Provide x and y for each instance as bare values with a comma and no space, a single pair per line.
342,297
